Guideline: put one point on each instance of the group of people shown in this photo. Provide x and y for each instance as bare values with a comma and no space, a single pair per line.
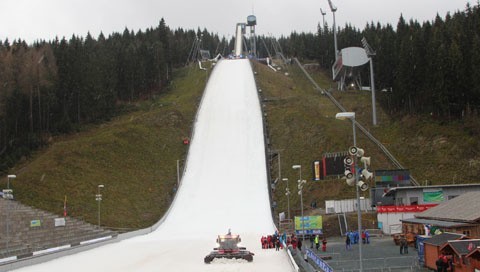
315,239
353,237
443,263
277,241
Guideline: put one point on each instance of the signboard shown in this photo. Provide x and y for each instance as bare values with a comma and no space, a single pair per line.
7,193
331,165
316,171
404,209
311,224
35,223
60,222
433,195
392,177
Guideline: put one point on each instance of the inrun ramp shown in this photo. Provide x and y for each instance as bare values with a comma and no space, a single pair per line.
224,187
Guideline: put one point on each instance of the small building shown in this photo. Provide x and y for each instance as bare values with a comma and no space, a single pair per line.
432,245
406,202
474,259
459,250
458,215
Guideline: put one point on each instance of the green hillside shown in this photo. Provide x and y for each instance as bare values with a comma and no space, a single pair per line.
302,126
135,155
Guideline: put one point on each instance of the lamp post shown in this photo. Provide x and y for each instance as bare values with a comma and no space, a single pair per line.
300,187
10,196
8,180
351,116
323,16
334,9
370,53
98,197
300,192
287,193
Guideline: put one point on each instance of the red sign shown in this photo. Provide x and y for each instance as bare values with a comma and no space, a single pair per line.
404,209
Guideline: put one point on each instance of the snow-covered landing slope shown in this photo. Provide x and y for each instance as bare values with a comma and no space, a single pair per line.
224,186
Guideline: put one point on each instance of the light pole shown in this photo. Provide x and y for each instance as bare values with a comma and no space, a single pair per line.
8,180
98,197
370,53
351,116
300,187
10,196
300,192
323,16
287,193
334,9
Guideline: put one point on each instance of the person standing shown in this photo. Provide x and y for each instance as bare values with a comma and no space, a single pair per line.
317,242
324,244
299,244
403,245
347,242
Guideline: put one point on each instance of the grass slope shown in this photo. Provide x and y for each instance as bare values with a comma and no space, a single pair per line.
134,156
302,125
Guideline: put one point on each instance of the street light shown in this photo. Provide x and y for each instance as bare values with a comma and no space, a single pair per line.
8,180
300,187
10,196
334,9
351,116
300,192
323,16
287,193
298,167
98,197
370,53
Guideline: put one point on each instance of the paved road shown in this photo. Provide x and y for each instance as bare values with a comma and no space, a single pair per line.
380,255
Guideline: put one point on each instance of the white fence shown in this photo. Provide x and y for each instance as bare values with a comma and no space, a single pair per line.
347,205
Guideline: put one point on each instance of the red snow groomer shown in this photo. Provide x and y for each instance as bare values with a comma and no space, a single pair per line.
228,248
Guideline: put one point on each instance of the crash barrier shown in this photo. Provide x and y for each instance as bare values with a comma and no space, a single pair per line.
290,257
319,262
375,232
357,124
16,262
378,264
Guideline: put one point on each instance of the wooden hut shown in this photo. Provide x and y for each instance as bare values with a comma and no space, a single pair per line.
459,250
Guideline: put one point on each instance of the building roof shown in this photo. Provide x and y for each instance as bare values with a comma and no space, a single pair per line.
463,247
436,223
474,254
394,190
440,239
463,208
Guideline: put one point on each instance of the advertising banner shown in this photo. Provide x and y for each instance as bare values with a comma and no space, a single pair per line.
316,171
404,209
35,223
433,195
312,224
319,261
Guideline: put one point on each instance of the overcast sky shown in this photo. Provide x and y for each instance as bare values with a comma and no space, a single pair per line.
45,19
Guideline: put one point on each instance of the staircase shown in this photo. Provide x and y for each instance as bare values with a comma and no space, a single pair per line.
21,237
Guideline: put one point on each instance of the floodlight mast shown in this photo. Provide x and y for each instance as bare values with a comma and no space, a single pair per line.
370,53
333,9
323,16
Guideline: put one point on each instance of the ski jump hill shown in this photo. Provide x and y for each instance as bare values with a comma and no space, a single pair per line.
224,186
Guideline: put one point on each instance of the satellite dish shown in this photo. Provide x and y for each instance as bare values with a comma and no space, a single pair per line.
354,56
